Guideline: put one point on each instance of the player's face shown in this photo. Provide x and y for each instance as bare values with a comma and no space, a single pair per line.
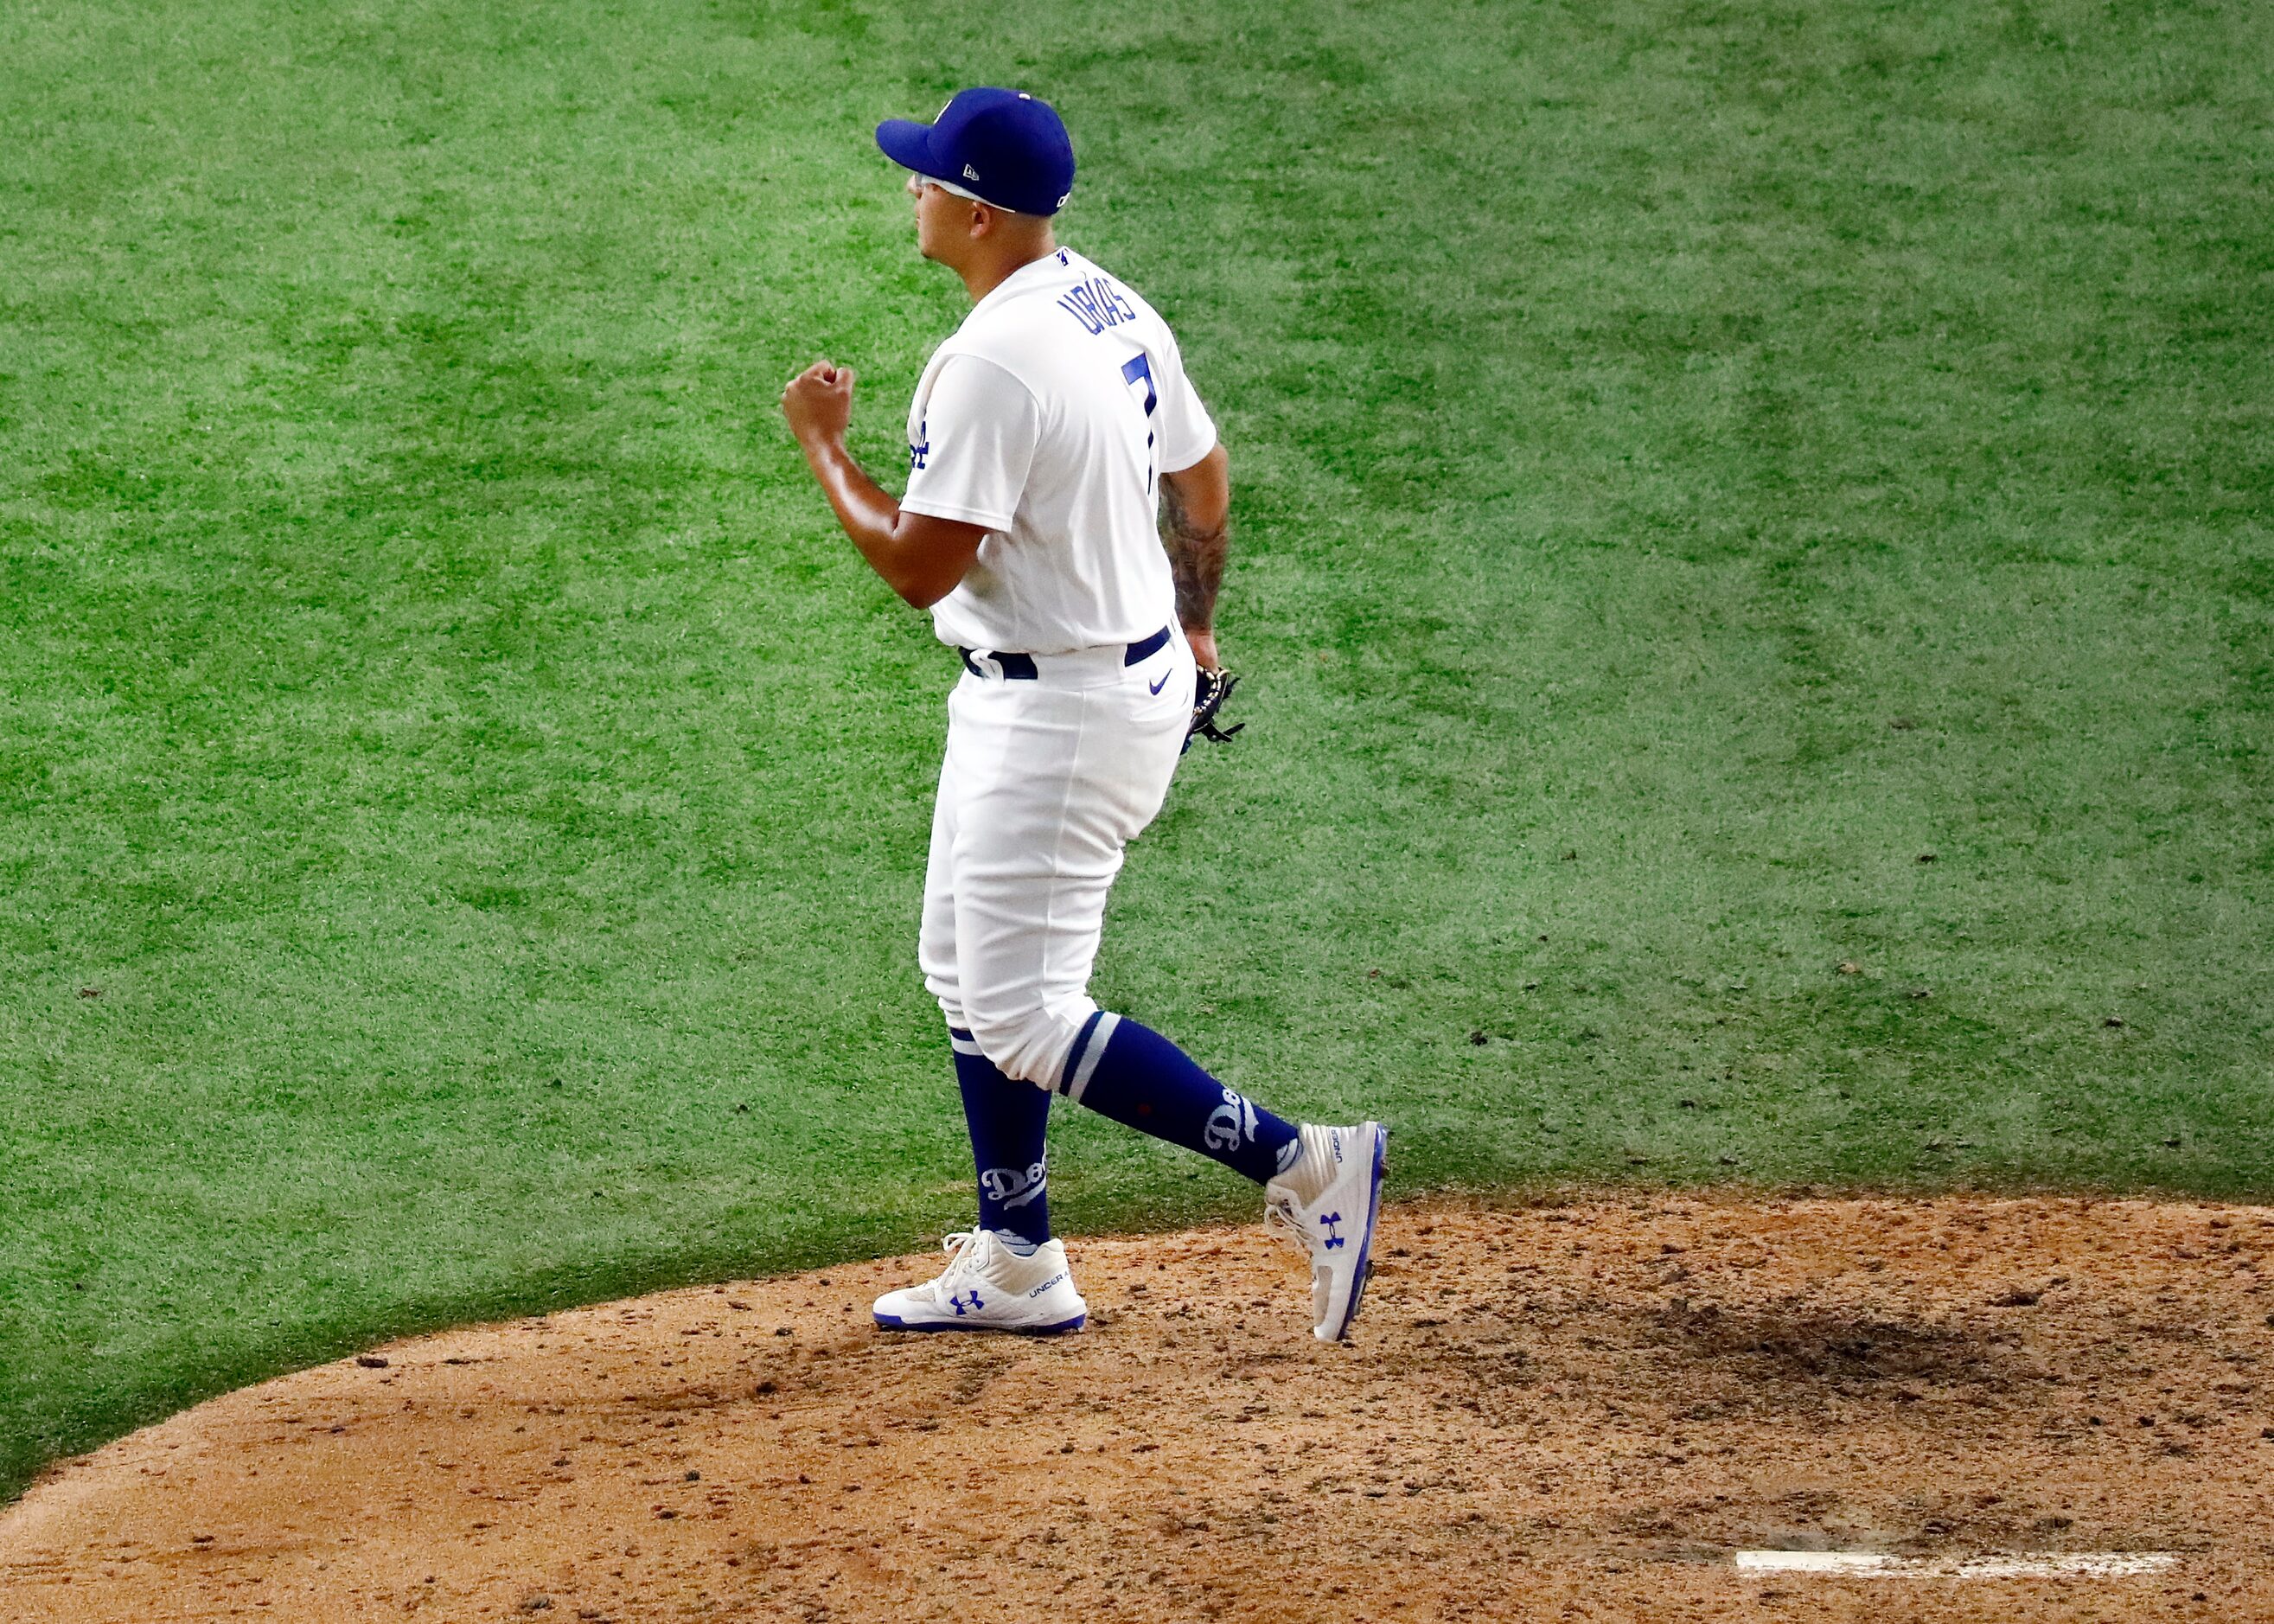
942,218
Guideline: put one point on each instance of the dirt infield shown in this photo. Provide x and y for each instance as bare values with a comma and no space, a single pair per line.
1578,1411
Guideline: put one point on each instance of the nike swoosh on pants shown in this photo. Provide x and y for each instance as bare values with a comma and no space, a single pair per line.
1157,687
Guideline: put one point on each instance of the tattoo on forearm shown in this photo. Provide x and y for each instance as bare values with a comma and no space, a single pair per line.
1195,561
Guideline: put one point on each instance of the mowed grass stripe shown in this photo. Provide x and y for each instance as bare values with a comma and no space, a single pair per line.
461,808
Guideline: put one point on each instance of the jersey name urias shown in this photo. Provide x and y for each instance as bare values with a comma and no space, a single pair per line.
1048,418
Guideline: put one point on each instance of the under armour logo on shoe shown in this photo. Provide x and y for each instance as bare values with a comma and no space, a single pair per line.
975,1306
1327,1221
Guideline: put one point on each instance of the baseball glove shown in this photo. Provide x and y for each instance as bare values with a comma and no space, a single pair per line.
1209,692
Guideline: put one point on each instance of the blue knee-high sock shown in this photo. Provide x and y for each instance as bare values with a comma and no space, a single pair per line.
1134,1075
1008,1121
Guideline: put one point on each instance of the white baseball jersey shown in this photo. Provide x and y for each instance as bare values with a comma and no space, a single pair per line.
1048,418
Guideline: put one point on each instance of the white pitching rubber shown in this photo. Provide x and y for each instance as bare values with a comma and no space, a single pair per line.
1878,1565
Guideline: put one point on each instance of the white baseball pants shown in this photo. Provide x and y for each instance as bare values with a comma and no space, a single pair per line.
1046,780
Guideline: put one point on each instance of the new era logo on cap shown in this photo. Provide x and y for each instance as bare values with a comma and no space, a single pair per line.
1015,141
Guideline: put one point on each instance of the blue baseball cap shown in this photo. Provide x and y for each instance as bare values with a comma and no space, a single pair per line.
1002,146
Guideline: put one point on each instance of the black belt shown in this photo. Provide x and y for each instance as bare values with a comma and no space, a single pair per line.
1021,668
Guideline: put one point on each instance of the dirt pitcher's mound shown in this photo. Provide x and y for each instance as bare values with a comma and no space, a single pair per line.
1581,1411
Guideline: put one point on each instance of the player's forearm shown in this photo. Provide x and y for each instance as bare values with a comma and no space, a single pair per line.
870,518
1196,532
864,507
1196,560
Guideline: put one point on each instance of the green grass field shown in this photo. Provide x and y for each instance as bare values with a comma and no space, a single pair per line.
462,806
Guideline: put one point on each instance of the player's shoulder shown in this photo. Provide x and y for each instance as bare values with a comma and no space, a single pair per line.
981,358
987,352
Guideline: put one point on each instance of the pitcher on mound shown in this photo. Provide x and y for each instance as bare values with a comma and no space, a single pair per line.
1048,435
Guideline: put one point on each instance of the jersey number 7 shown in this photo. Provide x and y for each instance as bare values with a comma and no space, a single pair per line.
1133,372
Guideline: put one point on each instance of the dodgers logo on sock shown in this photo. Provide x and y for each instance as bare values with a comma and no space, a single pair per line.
1230,1124
1008,1187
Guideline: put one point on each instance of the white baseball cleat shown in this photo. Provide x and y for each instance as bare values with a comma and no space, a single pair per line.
988,1286
1328,1202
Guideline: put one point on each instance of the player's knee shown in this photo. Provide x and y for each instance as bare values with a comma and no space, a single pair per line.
1029,1044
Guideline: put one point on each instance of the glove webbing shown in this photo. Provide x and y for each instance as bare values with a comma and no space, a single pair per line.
1211,689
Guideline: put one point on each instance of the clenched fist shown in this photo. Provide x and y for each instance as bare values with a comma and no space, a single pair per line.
818,404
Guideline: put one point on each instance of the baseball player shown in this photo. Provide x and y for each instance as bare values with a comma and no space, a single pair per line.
1046,437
